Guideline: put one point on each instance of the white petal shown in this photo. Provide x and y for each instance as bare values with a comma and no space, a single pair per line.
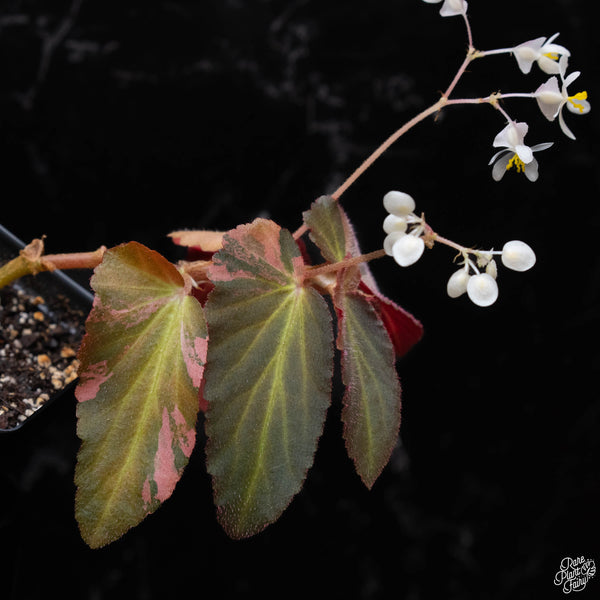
563,65
549,98
542,146
548,65
457,284
524,153
398,203
390,240
501,140
518,256
511,135
432,1
408,249
527,53
555,48
563,126
499,169
531,170
394,223
571,78
497,155
451,8
482,289
533,46
524,64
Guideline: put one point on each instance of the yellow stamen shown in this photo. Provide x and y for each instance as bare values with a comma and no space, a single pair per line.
580,96
552,55
516,162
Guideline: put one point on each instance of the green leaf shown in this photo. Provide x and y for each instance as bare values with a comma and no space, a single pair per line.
328,227
371,411
269,372
142,363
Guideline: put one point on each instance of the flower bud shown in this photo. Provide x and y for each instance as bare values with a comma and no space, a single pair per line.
408,249
518,256
482,289
390,240
492,269
457,284
394,223
398,203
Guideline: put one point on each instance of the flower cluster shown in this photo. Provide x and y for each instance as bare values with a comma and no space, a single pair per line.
478,277
551,97
404,239
408,234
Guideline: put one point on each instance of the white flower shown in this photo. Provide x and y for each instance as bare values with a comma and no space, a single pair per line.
552,99
517,255
398,203
408,249
457,284
394,223
482,289
542,51
451,7
516,153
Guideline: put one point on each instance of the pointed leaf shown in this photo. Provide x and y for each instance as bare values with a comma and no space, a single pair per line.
268,378
328,226
371,412
142,363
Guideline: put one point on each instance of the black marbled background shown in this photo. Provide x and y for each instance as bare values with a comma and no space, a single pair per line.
126,120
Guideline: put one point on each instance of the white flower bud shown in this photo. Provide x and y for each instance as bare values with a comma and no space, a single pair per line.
457,284
408,249
394,223
398,203
390,240
518,256
492,269
482,289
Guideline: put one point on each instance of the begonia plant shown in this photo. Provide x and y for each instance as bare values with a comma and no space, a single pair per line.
243,331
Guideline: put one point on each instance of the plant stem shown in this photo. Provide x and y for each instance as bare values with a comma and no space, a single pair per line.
31,262
319,270
15,269
386,144
77,260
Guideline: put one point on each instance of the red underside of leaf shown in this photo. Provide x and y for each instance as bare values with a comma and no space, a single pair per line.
404,329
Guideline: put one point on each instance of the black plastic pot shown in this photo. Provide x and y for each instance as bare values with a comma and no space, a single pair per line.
57,290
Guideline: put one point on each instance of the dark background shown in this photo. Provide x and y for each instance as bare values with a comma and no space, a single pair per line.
126,120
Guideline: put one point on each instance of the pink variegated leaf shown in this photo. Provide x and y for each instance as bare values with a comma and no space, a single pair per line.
268,375
142,362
